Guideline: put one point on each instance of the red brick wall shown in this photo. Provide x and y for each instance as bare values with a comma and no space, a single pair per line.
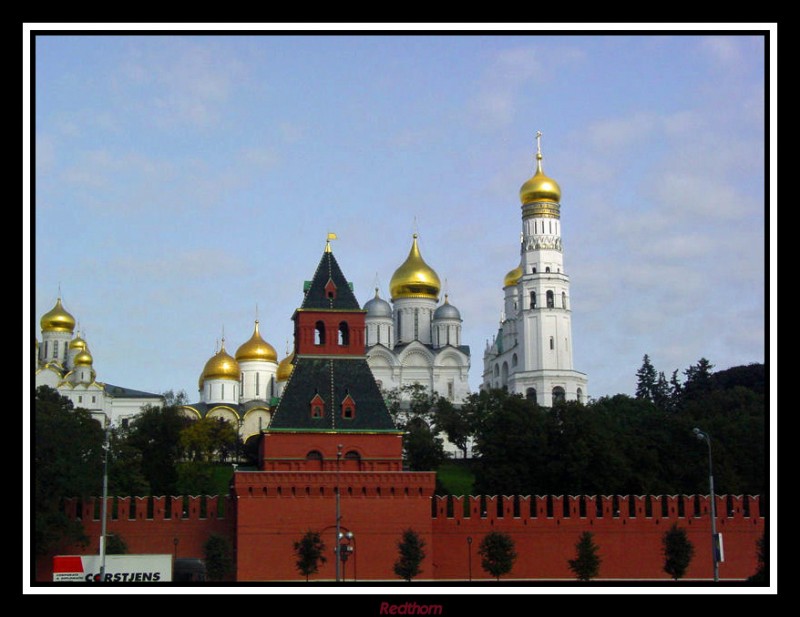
274,509
629,545
143,524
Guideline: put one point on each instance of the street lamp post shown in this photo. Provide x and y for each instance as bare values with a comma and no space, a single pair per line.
104,506
469,556
714,539
338,512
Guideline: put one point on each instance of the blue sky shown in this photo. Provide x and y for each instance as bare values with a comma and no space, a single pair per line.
185,185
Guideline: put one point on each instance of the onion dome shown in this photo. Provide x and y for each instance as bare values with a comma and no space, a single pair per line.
512,278
285,368
221,366
540,187
77,343
446,311
378,307
84,358
57,319
256,349
415,278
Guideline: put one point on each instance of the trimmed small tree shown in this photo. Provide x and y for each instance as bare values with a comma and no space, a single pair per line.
497,553
678,551
586,564
411,551
219,557
310,551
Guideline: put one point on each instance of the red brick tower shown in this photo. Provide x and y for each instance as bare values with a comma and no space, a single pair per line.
331,458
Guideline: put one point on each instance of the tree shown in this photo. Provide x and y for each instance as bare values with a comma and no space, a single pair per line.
586,564
411,551
219,557
761,576
115,545
497,553
423,449
646,380
155,432
454,422
678,551
68,462
310,551
209,439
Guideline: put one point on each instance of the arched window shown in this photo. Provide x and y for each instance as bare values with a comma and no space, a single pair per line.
344,334
513,360
319,333
558,395
580,395
505,373
547,269
530,394
533,299
496,370
550,299
314,460
563,299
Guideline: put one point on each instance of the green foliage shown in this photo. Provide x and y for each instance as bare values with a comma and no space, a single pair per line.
209,439
646,380
454,421
411,548
68,462
196,478
156,434
219,557
678,551
413,410
456,477
497,553
310,551
761,576
586,564
624,445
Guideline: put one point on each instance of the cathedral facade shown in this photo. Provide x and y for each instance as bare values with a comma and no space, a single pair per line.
64,363
531,353
415,339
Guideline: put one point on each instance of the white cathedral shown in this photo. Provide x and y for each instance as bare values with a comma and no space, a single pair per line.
531,353
416,340
64,363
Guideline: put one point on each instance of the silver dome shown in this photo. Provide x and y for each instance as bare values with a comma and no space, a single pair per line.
447,311
378,307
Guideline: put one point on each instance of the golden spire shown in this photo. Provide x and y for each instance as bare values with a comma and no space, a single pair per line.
540,188
331,236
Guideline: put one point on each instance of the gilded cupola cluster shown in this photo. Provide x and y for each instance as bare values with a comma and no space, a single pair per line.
414,278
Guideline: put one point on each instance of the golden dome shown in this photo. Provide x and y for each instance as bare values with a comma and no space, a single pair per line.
540,187
221,366
285,368
256,349
77,343
84,358
415,278
57,320
512,278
